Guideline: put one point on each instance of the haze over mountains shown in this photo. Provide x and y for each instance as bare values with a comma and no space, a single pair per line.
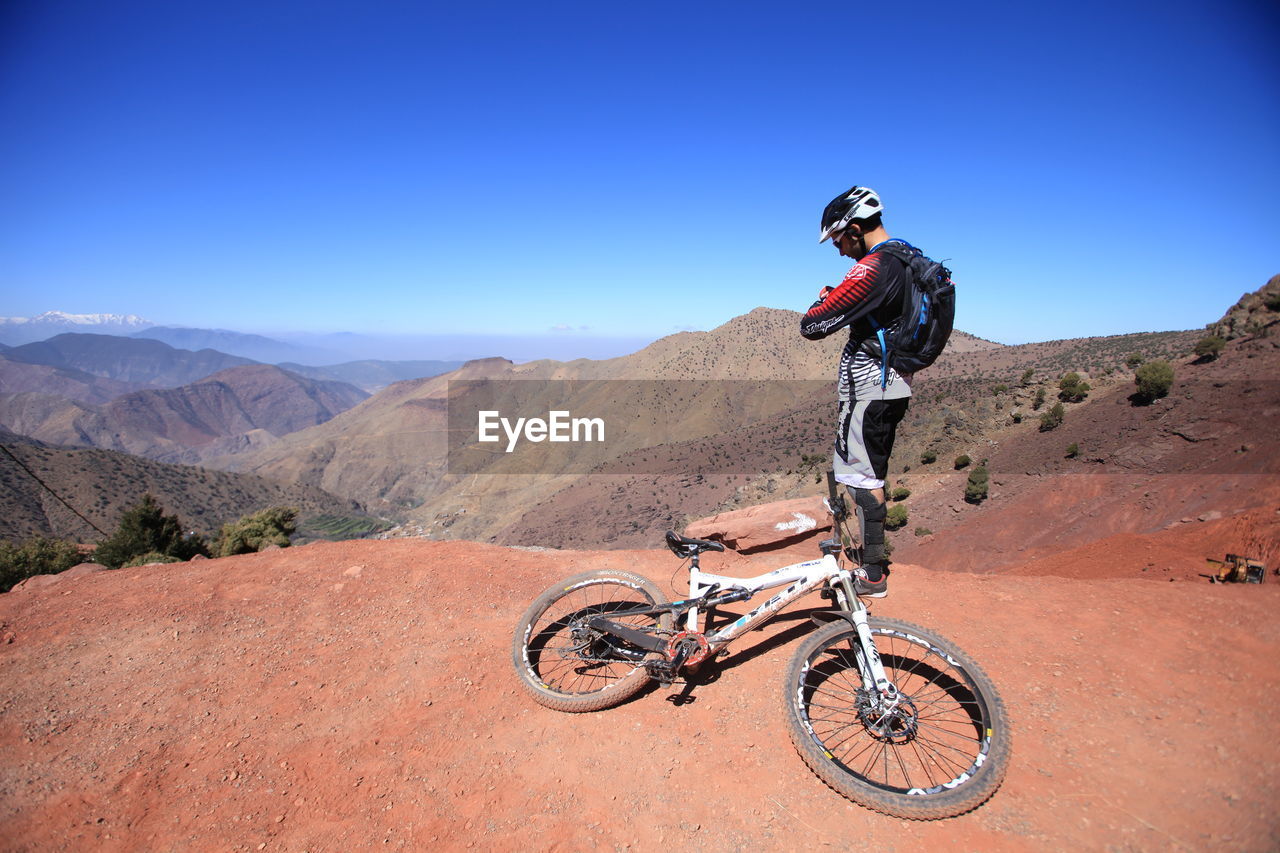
316,349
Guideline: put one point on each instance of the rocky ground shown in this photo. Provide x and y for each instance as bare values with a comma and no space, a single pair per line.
357,695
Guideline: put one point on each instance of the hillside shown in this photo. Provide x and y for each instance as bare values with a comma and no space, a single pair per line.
145,362
1209,448
17,377
226,412
101,484
346,695
392,452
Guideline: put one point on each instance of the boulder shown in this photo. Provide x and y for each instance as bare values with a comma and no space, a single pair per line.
37,581
764,525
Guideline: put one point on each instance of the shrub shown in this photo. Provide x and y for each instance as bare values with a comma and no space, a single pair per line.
1016,416
145,529
1039,400
1000,389
1134,359
1052,419
928,457
148,559
962,461
35,556
900,494
923,531
1026,377
1153,380
1272,301
975,490
1072,388
254,532
1207,349
897,517
1073,450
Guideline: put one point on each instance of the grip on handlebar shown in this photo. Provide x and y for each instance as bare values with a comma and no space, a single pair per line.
834,501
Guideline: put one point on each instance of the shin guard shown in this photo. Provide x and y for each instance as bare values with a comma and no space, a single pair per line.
874,512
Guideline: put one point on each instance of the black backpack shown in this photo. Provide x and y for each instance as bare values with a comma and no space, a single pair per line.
918,336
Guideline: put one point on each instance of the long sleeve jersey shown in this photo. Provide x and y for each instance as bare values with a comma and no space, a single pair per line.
871,289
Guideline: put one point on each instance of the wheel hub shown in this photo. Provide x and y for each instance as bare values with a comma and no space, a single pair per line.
897,724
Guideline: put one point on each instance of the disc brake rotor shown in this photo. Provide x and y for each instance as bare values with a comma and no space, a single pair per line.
898,725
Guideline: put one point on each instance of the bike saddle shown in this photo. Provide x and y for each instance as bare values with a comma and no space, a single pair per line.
684,547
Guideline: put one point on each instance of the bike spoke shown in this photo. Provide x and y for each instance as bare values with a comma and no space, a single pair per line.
932,734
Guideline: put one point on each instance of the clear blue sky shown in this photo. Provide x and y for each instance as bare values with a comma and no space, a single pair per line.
414,167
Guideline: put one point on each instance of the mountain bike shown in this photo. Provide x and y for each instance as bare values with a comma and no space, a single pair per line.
887,713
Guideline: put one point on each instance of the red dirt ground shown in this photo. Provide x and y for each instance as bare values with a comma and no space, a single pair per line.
359,695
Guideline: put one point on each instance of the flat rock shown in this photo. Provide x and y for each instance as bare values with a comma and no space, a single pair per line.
37,581
763,525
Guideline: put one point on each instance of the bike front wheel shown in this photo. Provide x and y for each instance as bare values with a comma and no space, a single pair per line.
941,750
567,665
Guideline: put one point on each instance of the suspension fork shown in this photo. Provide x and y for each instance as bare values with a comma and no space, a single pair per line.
874,679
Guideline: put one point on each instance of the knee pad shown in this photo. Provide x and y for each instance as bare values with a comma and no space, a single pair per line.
872,508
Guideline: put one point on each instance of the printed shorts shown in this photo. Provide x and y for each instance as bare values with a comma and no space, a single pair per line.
864,440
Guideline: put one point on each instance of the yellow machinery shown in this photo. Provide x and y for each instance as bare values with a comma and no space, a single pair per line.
1237,569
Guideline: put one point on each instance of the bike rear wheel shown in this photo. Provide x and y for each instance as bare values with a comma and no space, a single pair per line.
566,665
942,751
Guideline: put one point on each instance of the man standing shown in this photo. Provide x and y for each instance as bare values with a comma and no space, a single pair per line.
872,396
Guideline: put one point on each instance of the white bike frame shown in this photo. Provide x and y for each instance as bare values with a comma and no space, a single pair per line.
803,578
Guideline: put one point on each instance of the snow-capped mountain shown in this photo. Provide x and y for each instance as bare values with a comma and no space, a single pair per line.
15,331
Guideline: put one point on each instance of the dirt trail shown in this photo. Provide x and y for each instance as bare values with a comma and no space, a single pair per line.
357,695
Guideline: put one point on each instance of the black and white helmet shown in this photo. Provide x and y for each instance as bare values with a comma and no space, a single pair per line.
857,203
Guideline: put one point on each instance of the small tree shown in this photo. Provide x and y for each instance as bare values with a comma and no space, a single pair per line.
1208,348
975,490
35,556
1039,399
254,532
896,517
1052,419
962,461
1072,388
144,529
1153,380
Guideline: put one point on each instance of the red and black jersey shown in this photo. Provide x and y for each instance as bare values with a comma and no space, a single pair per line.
872,289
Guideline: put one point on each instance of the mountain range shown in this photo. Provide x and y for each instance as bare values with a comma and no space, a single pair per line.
391,451
225,412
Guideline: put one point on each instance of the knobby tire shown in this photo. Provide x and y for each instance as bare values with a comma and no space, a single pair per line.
566,666
943,753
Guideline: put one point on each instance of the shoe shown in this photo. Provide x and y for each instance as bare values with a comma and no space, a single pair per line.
869,588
